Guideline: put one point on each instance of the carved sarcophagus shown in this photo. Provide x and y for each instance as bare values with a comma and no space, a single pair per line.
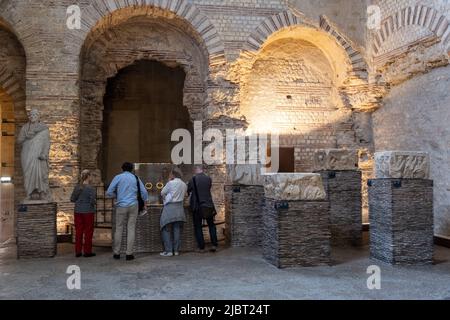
402,165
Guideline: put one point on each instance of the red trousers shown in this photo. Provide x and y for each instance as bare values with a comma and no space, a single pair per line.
84,227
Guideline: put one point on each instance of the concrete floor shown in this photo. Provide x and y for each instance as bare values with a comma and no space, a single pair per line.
228,274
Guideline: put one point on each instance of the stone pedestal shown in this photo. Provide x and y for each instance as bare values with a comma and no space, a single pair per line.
148,233
344,194
401,220
36,230
244,206
296,221
296,233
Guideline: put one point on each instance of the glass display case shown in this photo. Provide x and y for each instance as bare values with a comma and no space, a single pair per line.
156,175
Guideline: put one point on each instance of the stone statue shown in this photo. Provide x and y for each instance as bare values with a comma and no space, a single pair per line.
35,140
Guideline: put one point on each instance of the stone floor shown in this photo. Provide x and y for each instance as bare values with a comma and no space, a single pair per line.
228,274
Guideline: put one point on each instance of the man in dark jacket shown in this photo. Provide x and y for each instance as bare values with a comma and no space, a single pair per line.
203,185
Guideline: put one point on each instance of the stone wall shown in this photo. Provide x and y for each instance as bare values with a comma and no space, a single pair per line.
349,15
292,81
416,116
221,44
410,56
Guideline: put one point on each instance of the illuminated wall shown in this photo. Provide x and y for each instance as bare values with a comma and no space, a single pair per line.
292,90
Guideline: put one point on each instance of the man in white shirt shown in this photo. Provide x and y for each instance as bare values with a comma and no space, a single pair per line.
173,213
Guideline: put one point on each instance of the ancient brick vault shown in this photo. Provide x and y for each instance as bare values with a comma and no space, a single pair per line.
316,72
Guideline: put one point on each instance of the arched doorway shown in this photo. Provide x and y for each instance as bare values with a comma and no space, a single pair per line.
135,41
7,130
139,80
291,90
12,117
143,106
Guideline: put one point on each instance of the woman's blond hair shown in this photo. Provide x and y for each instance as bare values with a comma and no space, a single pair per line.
85,174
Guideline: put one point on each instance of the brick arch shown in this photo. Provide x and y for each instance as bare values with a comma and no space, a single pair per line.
17,27
288,20
101,15
418,15
159,40
12,73
12,80
13,86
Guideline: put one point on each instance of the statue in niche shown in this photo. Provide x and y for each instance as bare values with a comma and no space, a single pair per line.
34,137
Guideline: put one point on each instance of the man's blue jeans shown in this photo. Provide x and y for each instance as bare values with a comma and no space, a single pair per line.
169,245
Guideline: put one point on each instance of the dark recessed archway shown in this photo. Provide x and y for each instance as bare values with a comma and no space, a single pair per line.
12,117
143,106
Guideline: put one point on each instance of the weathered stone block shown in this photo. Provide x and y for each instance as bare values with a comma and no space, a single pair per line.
36,230
401,220
294,186
336,159
247,174
296,233
244,206
402,164
344,194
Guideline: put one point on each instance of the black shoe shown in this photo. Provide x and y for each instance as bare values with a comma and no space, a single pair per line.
89,255
116,256
130,257
213,249
78,255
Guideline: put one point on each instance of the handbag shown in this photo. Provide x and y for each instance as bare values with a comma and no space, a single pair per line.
206,212
141,202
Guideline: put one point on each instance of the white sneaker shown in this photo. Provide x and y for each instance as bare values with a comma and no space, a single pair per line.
166,254
176,254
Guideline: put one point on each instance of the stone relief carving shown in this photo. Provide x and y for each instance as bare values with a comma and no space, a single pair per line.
245,174
336,159
402,164
294,186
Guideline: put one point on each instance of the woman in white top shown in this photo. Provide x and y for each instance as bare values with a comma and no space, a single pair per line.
173,213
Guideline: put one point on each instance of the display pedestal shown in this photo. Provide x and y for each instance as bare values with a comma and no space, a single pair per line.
148,233
36,230
244,206
296,233
401,220
344,193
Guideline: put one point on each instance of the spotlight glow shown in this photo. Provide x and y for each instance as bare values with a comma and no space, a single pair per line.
5,179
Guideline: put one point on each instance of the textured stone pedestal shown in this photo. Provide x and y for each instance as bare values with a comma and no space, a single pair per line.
344,193
36,230
244,206
296,233
148,233
401,220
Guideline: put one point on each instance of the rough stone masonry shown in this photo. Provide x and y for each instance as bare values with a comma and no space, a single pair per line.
311,70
